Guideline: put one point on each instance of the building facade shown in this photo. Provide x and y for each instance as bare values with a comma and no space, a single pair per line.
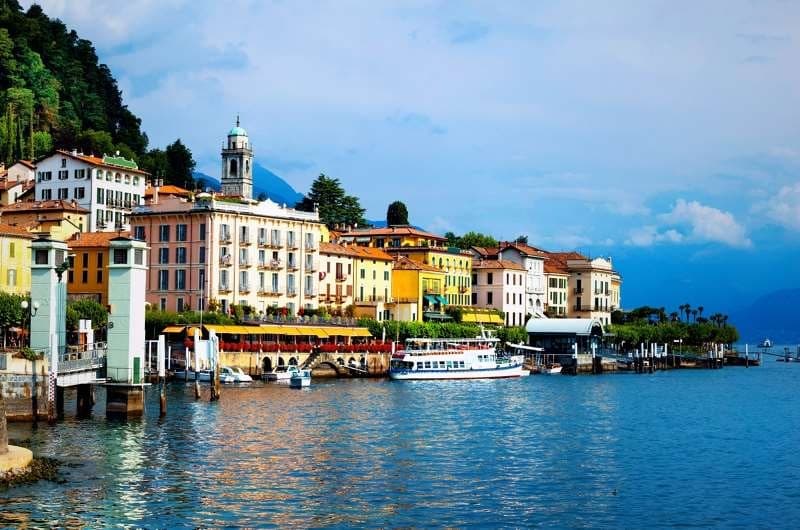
109,187
89,260
15,260
500,284
60,219
335,278
417,291
532,260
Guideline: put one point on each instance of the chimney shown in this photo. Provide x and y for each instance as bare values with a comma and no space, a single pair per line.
74,152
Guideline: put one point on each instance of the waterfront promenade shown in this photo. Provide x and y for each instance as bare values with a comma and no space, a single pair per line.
705,448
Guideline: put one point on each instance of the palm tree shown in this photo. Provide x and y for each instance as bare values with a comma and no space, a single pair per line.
700,310
694,315
688,309
724,320
680,310
674,316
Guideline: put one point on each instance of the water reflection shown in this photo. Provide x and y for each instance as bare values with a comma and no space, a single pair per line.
559,451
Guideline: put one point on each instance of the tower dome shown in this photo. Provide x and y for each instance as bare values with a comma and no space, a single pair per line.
237,131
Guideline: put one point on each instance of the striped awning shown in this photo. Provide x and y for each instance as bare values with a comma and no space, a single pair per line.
481,317
173,329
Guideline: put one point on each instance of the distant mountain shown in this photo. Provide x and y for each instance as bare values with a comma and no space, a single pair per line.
773,315
264,181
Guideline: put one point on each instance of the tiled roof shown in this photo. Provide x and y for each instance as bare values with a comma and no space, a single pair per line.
409,231
39,206
167,189
26,163
8,230
371,253
496,264
523,248
556,262
407,264
94,239
486,251
109,162
334,248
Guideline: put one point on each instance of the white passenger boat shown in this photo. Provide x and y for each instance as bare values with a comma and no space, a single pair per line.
454,359
300,378
235,374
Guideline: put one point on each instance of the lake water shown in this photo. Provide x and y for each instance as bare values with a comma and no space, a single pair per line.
681,448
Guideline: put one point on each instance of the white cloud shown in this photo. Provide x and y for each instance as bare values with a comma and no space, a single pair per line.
649,235
708,224
784,208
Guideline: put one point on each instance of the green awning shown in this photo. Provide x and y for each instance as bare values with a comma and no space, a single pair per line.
442,299
432,315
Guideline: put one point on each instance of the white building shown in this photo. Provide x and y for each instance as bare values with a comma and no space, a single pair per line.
500,284
109,187
532,260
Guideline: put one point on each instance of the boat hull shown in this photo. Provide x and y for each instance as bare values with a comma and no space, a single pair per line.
427,375
299,382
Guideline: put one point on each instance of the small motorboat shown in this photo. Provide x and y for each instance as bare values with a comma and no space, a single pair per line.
235,374
300,379
281,374
766,343
204,376
550,369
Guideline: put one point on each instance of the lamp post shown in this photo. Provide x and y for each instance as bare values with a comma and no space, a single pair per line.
30,310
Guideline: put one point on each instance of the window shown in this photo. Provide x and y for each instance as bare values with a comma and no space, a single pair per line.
489,298
85,277
63,162
138,256
108,176
100,276
180,307
138,233
11,277
12,249
47,195
386,276
180,255
363,273
120,256
118,178
180,279
45,175
163,233
63,174
163,280
202,231
63,193
85,259
243,283
99,260
223,279
135,180
180,233
201,280
79,193
224,233
163,256
163,304
202,255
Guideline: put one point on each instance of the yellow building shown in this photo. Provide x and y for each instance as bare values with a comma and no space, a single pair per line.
372,282
61,219
427,249
89,257
418,291
15,260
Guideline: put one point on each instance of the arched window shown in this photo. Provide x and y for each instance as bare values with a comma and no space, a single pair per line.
247,167
234,169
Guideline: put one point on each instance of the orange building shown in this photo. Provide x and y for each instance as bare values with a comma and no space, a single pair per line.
89,259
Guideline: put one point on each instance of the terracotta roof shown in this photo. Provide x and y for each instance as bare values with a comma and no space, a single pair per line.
167,189
556,262
407,264
91,159
371,253
8,230
38,206
94,239
26,163
496,264
392,231
334,248
486,251
523,248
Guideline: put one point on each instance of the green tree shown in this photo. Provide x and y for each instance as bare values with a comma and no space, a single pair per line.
476,239
98,143
397,214
11,312
180,165
42,143
86,310
334,205
523,239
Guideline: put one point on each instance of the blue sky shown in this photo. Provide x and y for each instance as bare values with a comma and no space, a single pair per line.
664,134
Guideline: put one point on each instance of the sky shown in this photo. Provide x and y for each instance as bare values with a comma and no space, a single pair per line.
663,134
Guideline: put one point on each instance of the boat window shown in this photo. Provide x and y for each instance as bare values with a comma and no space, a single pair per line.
449,364
461,364
427,364
419,366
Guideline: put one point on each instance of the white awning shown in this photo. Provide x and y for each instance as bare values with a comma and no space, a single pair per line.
563,326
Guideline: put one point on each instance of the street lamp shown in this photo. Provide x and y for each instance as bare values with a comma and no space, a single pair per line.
31,310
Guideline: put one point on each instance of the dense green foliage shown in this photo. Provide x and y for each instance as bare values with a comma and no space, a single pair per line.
397,214
470,239
53,92
11,312
335,206
86,310
402,330
650,324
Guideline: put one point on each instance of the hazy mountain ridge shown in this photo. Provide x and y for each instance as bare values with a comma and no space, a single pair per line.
264,181
772,315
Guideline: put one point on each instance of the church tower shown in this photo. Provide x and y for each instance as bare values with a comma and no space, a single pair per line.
237,164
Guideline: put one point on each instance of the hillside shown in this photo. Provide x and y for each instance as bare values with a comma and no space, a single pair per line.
54,92
264,181
772,315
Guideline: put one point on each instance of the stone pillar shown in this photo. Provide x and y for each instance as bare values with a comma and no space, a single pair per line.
125,359
49,293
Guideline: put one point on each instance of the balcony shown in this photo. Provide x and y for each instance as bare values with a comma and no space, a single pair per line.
463,290
275,243
274,264
262,242
311,246
244,288
371,300
292,245
263,265
432,290
224,288
273,290
310,293
244,263
311,267
225,261
225,237
578,290
291,291
341,277
292,266
244,241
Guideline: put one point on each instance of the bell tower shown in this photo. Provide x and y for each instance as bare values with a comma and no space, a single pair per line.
237,164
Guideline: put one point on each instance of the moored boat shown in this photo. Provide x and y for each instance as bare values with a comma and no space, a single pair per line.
476,358
550,369
234,375
281,374
300,378
204,376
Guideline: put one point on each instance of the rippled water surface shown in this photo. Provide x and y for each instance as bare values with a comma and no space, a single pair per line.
686,448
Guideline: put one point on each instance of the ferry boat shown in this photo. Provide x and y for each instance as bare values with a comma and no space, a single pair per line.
454,359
